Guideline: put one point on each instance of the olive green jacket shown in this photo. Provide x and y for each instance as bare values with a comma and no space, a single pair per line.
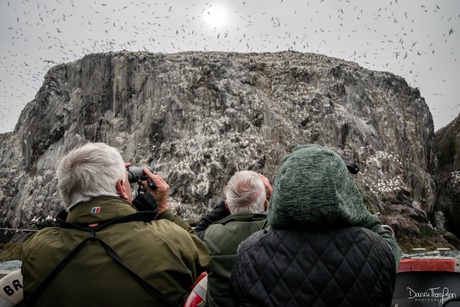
222,239
168,256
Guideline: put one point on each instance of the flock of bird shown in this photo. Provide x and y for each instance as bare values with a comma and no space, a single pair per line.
417,40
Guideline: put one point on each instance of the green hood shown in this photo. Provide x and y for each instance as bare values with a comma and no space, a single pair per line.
313,187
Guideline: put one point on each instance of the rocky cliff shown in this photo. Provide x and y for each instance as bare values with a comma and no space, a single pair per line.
447,213
197,117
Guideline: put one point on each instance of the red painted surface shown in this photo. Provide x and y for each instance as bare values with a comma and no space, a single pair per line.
429,265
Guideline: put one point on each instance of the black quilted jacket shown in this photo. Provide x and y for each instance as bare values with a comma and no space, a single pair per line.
336,267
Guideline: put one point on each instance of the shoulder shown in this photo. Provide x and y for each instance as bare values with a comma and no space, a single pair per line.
236,225
257,238
377,243
253,217
165,229
44,235
370,237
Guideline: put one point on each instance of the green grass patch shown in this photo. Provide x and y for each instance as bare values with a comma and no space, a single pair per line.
427,231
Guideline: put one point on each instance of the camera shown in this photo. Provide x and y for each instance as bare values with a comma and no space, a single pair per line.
352,167
143,201
136,175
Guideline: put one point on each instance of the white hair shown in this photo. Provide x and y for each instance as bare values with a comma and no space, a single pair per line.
89,171
245,193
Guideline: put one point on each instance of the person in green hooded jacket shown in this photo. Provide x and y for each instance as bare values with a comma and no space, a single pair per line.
133,262
322,247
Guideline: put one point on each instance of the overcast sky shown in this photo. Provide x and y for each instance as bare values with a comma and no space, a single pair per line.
416,39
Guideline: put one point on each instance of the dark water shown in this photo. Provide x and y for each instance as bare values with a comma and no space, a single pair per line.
10,265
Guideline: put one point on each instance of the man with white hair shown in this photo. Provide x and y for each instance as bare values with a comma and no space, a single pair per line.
106,252
243,211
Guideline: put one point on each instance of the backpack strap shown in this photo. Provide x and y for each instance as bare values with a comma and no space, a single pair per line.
145,216
51,276
142,282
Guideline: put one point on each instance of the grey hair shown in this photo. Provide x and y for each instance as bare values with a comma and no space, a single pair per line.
89,171
245,193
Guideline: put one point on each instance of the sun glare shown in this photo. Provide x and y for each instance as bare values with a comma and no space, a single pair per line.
216,16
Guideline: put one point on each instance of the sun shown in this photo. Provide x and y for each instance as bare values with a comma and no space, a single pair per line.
216,16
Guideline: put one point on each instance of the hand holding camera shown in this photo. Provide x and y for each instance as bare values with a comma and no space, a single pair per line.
151,183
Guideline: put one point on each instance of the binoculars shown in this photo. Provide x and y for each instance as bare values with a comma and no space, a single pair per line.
136,174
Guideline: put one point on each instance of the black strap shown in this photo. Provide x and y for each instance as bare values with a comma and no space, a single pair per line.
45,283
148,287
145,216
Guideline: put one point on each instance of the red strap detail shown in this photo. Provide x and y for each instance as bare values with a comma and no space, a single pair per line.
202,275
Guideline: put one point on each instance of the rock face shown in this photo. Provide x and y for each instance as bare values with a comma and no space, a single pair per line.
197,117
448,200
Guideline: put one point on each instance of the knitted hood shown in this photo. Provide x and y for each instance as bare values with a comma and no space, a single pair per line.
313,188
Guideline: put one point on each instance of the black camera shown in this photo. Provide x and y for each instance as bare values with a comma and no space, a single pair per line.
143,201
136,175
352,167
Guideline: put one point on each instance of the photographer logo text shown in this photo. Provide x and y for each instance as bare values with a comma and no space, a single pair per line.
431,294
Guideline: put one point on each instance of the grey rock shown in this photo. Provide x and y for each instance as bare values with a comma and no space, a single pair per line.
448,200
197,117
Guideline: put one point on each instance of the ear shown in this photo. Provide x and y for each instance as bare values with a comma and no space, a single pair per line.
121,189
265,205
226,206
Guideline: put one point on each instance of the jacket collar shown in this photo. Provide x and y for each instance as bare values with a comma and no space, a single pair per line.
244,217
99,209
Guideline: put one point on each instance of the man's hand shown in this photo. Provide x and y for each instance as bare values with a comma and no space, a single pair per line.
160,193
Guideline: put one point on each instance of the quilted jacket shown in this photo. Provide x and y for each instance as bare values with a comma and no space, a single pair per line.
336,267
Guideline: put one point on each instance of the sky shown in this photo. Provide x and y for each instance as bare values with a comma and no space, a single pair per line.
418,40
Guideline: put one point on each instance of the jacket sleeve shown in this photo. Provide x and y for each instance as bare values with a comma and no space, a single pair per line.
218,213
168,214
376,226
203,252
